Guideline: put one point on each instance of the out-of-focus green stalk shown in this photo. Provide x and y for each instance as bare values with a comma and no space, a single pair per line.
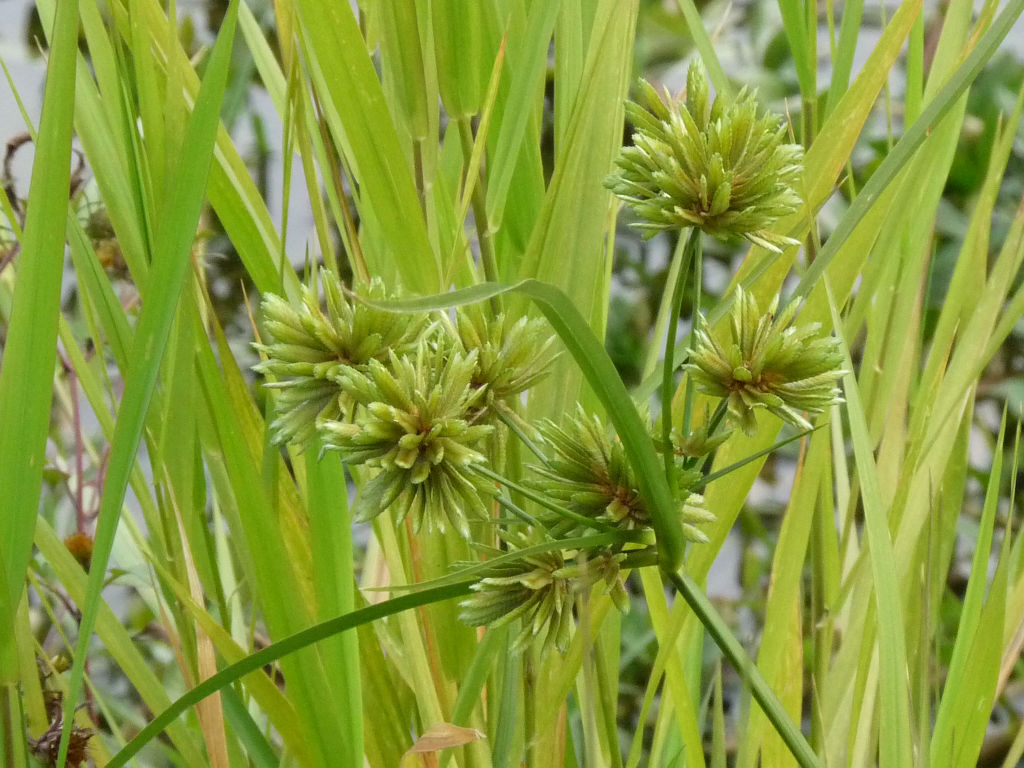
26,377
12,737
479,202
730,646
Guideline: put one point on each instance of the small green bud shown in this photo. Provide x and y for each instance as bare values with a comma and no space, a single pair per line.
700,441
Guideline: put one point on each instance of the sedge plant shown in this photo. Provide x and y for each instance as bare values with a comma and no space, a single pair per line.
408,512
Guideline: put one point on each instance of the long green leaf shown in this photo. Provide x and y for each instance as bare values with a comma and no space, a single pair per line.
462,61
331,539
895,744
705,47
30,350
794,24
402,64
353,101
569,244
270,539
914,137
517,107
972,672
171,262
732,649
782,633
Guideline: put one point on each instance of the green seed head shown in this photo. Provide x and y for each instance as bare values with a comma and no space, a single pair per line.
308,348
540,590
528,589
768,364
590,474
414,425
511,356
716,166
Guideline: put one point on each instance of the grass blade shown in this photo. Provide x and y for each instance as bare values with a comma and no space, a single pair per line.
915,136
354,107
30,352
541,23
171,261
732,649
280,649
895,743
973,672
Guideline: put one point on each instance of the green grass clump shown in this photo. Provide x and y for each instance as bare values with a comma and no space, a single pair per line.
396,510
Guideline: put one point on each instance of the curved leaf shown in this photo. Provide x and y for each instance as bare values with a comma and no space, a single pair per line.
272,653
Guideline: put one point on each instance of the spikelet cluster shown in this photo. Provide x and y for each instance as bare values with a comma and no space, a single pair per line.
768,364
591,475
307,348
414,426
412,398
717,166
511,356
540,590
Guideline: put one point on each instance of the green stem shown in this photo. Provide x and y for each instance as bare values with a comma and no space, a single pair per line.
357,260
588,699
708,479
507,709
823,622
484,659
742,663
421,183
11,732
668,366
653,355
607,686
717,416
519,512
530,706
473,682
12,737
716,420
698,285
508,418
420,652
479,202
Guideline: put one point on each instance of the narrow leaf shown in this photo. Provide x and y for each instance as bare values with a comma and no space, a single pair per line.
171,262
